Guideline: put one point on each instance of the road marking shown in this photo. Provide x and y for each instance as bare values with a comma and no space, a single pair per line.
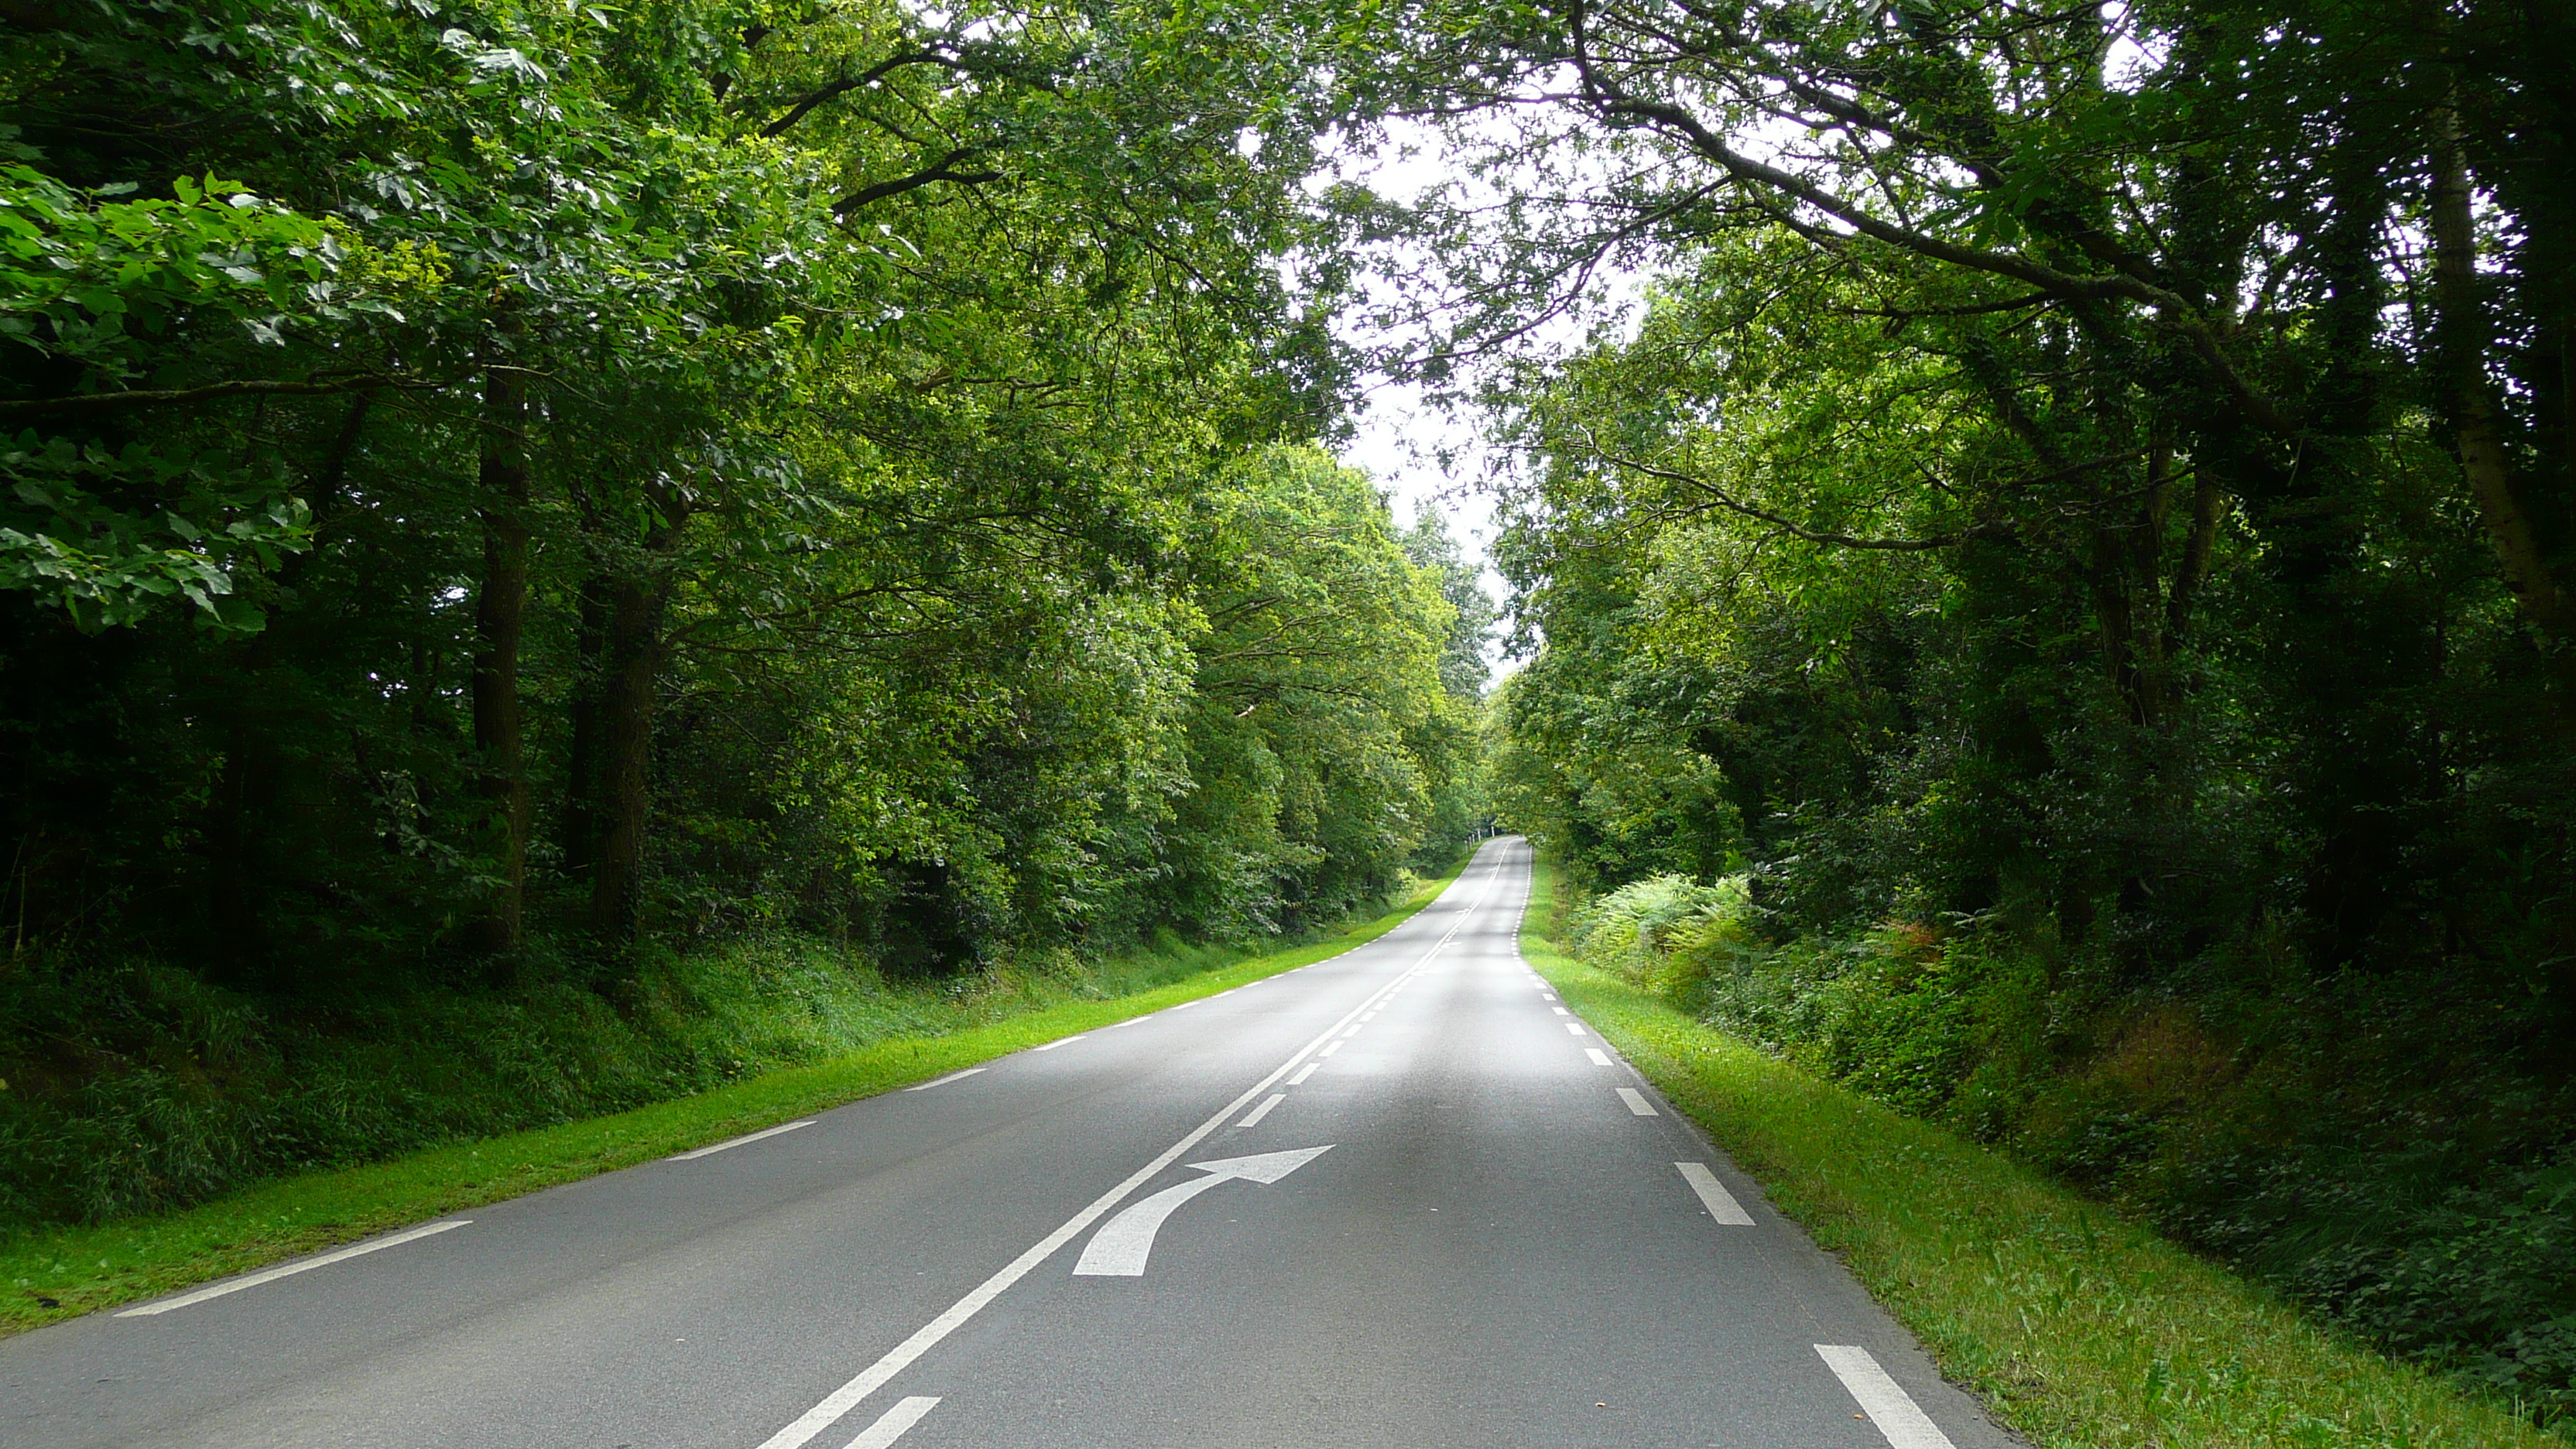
1637,1102
1561,1011
1896,1415
1574,1027
1328,1051
1713,1195
1184,1006
738,1141
1354,1031
895,1360
1263,1110
1119,1250
271,1275
891,1424
1303,1073
1131,1021
1061,1041
1372,1016
942,1081
1599,1057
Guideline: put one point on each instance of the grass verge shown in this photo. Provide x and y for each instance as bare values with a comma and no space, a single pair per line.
82,1270
2075,1327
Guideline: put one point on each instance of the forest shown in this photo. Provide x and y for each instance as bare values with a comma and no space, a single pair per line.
523,517
2039,545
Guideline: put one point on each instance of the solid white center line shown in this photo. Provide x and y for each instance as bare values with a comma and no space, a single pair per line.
1303,1073
1574,1027
1889,1407
288,1270
1637,1102
1060,1041
1599,1057
709,1151
939,1081
1257,1113
891,1424
1713,1195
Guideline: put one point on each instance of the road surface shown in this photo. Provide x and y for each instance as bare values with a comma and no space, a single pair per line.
1399,1198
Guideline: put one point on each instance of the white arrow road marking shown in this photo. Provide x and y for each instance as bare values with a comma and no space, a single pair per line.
1119,1250
891,1424
271,1275
1896,1415
1637,1102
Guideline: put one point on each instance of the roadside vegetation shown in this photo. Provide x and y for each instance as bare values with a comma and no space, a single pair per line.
2079,1328
793,1034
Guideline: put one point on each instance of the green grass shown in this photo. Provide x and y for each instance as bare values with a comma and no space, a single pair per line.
89,1268
2075,1327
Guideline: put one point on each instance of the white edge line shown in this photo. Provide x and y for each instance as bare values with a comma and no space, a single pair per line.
288,1270
1713,1195
891,1424
1637,1102
1061,1041
845,1398
1888,1406
717,1147
938,1081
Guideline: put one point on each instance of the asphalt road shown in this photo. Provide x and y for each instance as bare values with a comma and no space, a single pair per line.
1439,1212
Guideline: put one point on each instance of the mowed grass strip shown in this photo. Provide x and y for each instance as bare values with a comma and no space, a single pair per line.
2078,1329
83,1270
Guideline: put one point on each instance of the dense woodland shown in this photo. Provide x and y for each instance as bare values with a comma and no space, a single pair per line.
2041,541
2061,610
506,496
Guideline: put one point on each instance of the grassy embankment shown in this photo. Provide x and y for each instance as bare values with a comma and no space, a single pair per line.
85,1269
2076,1327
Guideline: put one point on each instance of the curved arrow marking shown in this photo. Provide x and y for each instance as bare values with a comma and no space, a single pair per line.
1119,1250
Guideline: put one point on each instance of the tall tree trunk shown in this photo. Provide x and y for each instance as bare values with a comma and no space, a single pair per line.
500,619
581,769
2477,429
630,691
626,708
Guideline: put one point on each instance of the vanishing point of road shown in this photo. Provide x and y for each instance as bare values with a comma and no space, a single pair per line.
1399,1198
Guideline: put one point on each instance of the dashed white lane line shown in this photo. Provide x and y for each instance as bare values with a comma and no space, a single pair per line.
943,1081
891,1424
1303,1073
1713,1195
1888,1406
1637,1102
1328,1051
1561,1011
1257,1113
1599,1057
1575,1027
1060,1041
732,1142
288,1270
1184,1006
1354,1031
